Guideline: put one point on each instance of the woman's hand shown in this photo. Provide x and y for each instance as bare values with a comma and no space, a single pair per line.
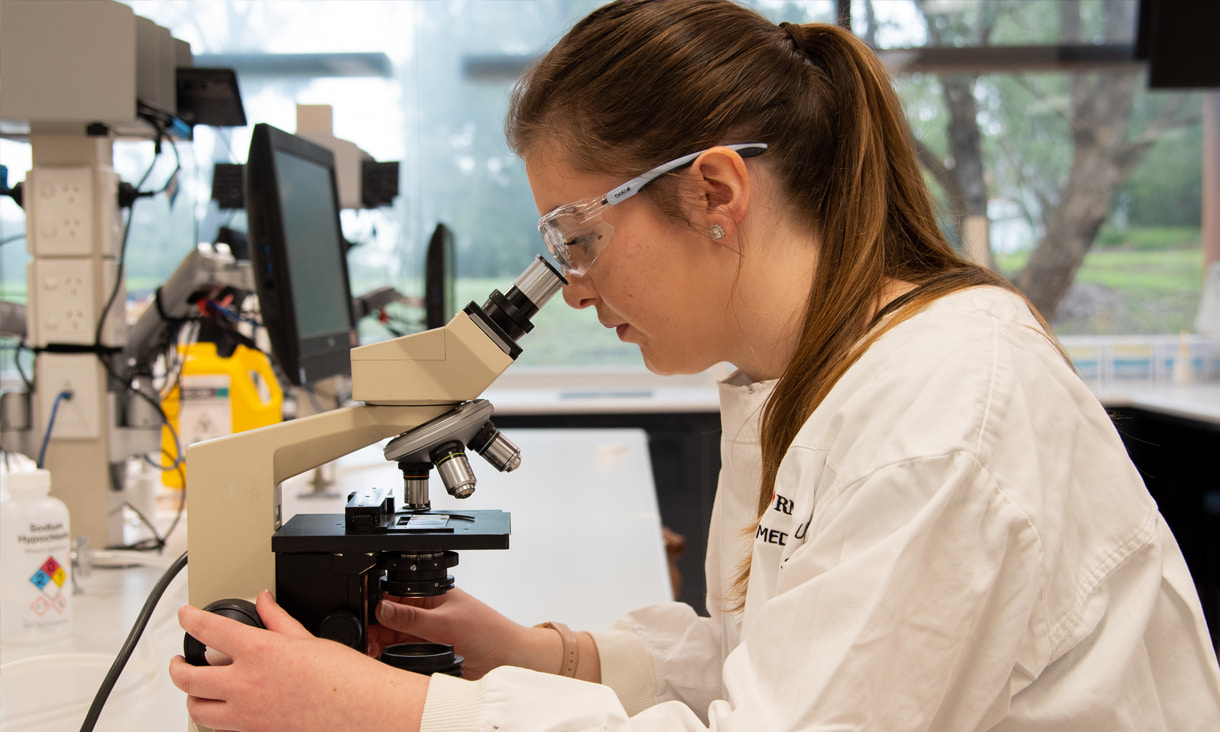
284,678
483,637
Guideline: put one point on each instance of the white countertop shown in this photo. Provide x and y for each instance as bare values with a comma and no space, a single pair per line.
1191,401
590,391
586,546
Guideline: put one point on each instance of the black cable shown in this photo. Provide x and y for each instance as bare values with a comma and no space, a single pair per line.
129,645
118,277
156,543
159,542
29,385
166,423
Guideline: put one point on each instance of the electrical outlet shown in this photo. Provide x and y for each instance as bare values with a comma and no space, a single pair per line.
78,417
60,210
61,296
65,300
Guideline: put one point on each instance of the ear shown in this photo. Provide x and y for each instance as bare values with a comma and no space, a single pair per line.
723,185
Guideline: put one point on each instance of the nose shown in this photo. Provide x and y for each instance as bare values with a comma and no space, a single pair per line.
579,292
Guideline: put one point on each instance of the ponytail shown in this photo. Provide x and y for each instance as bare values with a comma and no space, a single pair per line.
875,224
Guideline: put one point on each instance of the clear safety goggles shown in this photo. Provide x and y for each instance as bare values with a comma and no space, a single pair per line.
575,233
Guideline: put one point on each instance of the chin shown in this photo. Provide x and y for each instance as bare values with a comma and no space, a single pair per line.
664,367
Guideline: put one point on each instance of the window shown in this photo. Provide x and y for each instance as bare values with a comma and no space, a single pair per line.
426,84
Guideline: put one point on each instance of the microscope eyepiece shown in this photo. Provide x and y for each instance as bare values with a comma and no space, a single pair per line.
506,317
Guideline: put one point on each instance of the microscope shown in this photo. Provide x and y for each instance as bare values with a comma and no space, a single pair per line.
329,571
331,574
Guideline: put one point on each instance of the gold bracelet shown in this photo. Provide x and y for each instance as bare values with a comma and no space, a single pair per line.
571,647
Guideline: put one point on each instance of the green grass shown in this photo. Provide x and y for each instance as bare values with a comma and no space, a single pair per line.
1153,238
1168,269
1138,291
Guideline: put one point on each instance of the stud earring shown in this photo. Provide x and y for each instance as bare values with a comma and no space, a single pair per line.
717,232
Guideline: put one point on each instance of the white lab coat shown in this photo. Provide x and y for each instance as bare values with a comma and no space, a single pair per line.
957,542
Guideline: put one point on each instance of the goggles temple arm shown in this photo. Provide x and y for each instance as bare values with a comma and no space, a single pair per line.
633,186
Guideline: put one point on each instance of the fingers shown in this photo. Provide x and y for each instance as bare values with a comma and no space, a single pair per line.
231,637
207,712
277,618
214,631
203,682
380,637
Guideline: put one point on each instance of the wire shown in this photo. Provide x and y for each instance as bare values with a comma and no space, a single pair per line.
46,438
119,273
29,385
129,645
159,541
165,421
14,237
175,361
313,399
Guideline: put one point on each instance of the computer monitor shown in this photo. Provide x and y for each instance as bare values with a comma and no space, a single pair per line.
299,255
1177,39
438,278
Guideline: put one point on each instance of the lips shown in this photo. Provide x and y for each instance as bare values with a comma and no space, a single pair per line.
620,328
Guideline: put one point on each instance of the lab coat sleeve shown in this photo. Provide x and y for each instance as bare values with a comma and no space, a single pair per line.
657,654
903,610
661,653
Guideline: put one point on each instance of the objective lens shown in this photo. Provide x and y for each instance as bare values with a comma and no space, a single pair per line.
454,468
415,486
496,448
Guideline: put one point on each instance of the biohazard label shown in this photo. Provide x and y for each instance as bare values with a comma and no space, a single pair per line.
206,410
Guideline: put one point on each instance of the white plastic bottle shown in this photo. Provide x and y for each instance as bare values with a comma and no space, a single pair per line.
35,561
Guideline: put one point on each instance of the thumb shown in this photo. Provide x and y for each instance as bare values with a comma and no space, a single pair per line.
277,618
404,618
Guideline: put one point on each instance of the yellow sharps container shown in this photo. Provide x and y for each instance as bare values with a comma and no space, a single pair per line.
216,396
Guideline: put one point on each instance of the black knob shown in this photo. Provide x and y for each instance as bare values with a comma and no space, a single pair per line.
243,611
344,627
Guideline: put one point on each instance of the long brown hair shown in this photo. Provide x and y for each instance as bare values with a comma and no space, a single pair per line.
640,82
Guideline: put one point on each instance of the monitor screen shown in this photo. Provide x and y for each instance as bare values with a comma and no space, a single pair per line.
438,278
299,255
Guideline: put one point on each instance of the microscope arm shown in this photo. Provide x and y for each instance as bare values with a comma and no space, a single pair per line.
234,485
200,271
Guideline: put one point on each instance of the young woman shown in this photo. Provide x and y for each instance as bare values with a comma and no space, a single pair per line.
924,519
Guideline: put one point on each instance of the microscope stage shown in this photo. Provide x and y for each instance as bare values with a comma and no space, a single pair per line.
407,532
